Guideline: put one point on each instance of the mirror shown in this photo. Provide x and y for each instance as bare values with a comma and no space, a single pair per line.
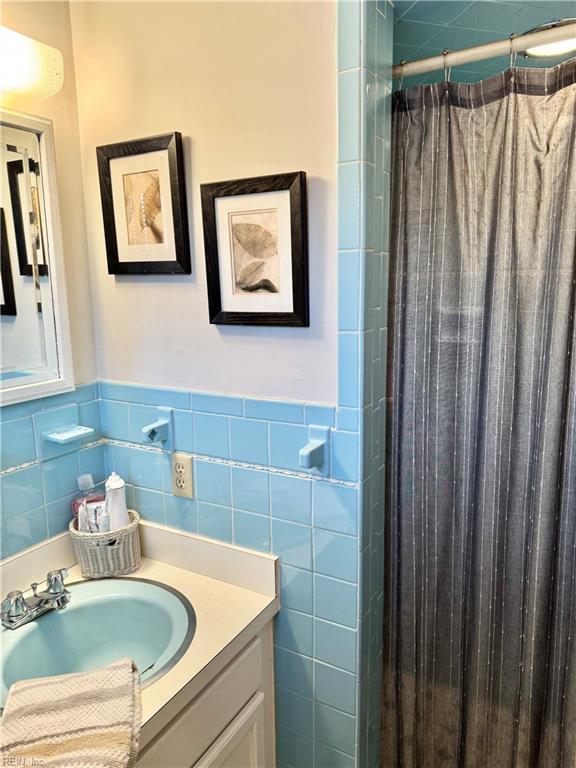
35,355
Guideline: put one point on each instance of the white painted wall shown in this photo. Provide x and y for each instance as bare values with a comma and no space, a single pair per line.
49,22
252,88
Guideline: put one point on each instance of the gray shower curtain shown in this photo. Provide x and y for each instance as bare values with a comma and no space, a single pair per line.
480,617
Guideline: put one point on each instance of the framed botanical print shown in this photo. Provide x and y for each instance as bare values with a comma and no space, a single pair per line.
144,206
256,247
7,298
21,215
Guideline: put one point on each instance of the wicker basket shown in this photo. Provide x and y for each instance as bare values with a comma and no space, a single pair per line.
115,553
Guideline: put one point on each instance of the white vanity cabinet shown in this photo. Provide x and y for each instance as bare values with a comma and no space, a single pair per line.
230,723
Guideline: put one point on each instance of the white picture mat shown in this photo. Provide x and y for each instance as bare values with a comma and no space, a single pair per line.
119,166
257,302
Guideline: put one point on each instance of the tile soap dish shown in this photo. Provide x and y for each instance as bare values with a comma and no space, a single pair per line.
68,434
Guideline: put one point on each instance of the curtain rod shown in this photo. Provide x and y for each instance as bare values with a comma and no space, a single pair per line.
487,51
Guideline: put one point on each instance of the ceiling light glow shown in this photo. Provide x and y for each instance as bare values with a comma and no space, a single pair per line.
552,50
28,67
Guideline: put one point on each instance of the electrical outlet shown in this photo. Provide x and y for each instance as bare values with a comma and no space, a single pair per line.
182,484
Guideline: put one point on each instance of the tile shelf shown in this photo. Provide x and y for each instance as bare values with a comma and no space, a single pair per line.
68,434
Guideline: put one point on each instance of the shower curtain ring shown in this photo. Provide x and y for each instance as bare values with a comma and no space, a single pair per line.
402,65
512,52
447,69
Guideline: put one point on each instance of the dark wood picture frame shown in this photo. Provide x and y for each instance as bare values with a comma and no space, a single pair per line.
172,143
15,169
9,305
295,183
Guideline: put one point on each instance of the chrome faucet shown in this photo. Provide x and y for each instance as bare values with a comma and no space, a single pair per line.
16,610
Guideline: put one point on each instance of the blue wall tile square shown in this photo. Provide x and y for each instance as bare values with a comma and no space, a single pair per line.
91,461
335,687
129,393
89,414
21,491
348,34
335,645
293,543
212,482
222,404
57,401
23,531
59,476
181,513
296,588
345,456
250,490
249,441
348,366
47,421
149,505
183,431
274,410
19,410
211,436
294,711
252,531
85,392
293,671
335,600
334,728
59,514
115,420
349,206
335,507
349,290
369,35
17,444
326,757
117,459
166,396
294,750
146,469
348,419
293,631
322,415
336,555
291,498
285,443
349,105
214,521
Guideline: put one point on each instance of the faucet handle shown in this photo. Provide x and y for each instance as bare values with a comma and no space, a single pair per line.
14,605
55,581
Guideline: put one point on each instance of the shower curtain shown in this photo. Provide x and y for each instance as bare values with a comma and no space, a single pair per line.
480,616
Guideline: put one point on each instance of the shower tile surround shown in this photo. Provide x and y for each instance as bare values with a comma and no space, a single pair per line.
248,487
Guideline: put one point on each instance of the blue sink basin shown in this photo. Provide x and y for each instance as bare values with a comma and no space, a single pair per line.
104,621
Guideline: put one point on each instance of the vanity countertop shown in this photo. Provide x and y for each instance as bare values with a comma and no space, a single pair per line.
233,592
227,616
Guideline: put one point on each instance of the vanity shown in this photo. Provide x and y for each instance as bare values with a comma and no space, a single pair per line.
210,700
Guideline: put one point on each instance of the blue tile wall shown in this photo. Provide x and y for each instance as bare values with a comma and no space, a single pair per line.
358,444
250,490
38,479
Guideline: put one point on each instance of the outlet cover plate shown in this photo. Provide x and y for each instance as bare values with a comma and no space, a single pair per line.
182,477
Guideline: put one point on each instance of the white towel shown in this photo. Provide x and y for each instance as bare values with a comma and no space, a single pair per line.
83,720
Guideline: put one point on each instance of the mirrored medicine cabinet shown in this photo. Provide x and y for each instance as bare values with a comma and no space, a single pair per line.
35,349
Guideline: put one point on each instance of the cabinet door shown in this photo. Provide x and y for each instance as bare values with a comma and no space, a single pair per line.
241,745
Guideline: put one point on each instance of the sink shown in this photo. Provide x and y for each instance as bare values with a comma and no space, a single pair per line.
104,621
